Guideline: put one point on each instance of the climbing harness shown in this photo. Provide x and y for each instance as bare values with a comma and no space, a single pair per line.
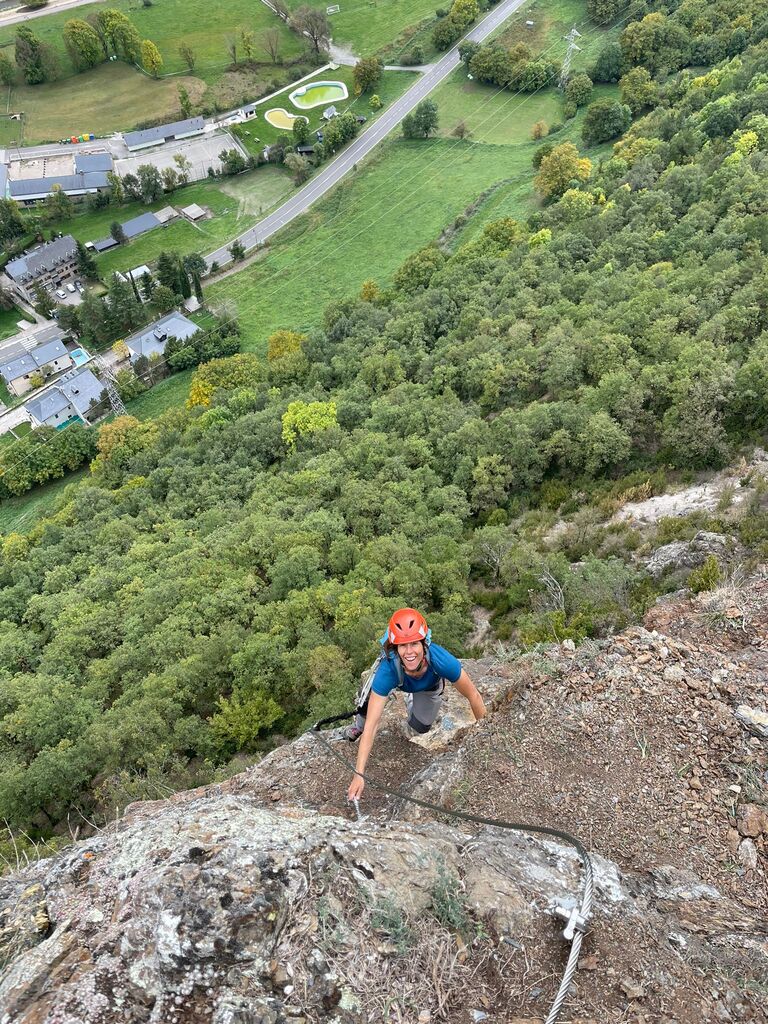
576,918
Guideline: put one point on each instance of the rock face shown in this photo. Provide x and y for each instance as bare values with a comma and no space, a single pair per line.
217,912
689,554
246,903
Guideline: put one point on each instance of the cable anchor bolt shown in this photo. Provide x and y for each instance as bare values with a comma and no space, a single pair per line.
575,922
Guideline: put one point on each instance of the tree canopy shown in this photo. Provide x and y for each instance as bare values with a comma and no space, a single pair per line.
223,571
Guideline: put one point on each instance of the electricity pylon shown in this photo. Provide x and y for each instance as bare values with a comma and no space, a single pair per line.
571,38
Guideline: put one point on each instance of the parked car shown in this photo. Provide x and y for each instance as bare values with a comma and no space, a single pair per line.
79,287
319,136
61,293
361,119
70,288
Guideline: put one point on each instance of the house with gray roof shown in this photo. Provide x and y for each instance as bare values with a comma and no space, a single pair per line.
131,228
164,133
153,339
71,397
48,266
18,364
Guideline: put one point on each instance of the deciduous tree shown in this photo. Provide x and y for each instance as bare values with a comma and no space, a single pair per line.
150,58
560,168
421,122
83,44
313,23
605,119
366,74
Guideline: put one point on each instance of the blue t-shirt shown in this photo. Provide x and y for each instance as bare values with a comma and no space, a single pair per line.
441,665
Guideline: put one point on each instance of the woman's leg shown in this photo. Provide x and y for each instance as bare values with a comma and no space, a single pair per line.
423,708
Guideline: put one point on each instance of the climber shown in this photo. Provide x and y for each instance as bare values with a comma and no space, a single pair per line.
411,662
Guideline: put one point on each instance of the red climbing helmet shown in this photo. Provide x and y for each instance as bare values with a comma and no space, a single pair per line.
407,625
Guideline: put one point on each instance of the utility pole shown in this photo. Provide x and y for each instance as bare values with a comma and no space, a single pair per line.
571,38
108,380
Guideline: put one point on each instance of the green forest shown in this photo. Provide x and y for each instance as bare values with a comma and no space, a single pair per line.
220,577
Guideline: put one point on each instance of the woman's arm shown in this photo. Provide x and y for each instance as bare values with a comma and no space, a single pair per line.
372,718
467,689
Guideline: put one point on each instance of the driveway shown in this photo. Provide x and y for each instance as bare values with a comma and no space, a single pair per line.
357,150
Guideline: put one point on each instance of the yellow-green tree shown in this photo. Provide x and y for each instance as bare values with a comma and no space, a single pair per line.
240,371
150,58
560,169
370,291
302,419
284,343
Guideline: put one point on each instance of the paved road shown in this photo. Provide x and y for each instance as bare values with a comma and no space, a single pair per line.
333,172
18,13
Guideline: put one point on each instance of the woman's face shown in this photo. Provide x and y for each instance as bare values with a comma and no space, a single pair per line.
411,655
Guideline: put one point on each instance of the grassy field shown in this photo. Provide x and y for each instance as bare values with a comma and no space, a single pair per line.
368,26
23,512
235,202
499,116
8,320
256,134
204,25
11,132
169,392
553,19
109,98
366,228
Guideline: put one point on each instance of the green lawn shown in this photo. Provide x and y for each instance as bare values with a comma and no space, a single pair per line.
8,321
368,26
366,228
499,116
11,132
236,204
112,97
259,133
169,392
202,24
22,513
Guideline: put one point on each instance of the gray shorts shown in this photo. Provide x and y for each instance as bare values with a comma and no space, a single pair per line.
422,708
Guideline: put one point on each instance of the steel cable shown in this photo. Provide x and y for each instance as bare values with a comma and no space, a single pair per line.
576,921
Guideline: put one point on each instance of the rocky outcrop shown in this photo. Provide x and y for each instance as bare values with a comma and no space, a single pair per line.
222,911
260,901
689,554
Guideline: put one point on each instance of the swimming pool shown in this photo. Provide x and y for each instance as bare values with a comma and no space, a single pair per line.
316,93
279,117
79,356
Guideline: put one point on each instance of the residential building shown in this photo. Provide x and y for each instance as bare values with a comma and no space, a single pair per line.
152,340
72,397
131,228
164,133
48,266
18,364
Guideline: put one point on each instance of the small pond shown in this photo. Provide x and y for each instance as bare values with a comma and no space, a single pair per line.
314,94
278,117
